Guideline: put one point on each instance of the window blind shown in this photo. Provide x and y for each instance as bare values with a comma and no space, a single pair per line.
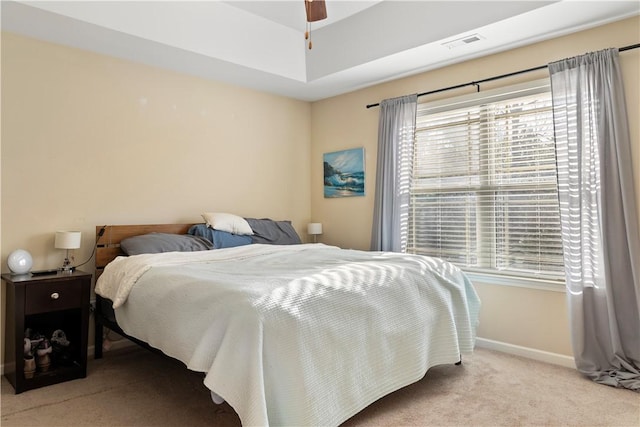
484,192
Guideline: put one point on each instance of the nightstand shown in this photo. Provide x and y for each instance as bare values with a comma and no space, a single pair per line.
46,303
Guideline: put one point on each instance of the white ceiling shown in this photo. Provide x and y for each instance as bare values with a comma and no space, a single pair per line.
260,44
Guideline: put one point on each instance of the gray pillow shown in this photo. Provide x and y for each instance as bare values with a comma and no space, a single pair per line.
273,232
154,243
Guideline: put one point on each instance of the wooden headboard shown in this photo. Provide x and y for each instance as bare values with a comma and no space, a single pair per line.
109,237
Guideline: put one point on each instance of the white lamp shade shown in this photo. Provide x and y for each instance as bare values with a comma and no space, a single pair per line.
68,239
314,228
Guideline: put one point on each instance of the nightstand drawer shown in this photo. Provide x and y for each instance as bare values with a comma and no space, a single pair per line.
44,297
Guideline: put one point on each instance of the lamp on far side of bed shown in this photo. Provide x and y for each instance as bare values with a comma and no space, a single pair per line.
313,229
67,240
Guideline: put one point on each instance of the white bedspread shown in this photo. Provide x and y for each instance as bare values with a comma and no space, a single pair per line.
301,335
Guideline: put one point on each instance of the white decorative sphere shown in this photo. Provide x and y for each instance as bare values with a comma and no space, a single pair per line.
20,261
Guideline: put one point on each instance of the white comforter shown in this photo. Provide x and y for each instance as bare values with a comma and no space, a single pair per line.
302,335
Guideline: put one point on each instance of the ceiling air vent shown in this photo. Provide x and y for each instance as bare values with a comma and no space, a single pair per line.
463,41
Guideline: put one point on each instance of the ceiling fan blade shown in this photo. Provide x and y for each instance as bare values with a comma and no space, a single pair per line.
316,10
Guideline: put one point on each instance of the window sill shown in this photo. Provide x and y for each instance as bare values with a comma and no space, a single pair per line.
520,282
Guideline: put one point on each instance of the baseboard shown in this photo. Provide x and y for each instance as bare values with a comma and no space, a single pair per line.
2,370
114,346
531,353
91,350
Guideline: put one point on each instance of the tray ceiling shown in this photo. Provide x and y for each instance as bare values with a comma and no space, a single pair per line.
260,44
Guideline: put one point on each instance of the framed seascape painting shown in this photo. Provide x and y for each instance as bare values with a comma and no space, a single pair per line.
344,173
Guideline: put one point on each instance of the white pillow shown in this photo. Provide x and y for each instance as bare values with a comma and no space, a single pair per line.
227,222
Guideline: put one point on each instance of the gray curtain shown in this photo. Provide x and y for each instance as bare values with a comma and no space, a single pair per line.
396,132
598,216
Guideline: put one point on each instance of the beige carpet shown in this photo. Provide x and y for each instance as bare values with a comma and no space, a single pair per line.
134,387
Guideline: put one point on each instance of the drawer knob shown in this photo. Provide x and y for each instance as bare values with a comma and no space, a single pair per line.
55,295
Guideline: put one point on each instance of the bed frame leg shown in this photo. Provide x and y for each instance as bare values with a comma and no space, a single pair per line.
98,342
97,349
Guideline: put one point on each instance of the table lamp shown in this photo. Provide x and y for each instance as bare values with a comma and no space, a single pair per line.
314,229
67,240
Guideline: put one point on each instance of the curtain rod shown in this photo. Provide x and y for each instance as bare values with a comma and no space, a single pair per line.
502,76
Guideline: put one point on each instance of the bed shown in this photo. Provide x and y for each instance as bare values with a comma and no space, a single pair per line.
305,334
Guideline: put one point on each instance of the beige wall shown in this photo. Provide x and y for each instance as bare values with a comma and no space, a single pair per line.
519,316
90,140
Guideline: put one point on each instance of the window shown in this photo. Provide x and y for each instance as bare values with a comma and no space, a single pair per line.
484,192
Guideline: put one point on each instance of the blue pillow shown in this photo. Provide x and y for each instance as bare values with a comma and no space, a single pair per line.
220,239
201,230
223,239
